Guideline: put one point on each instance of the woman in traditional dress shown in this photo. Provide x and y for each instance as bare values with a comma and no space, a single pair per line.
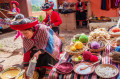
52,19
80,14
39,41
15,8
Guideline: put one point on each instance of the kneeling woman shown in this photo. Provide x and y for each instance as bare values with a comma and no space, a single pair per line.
39,41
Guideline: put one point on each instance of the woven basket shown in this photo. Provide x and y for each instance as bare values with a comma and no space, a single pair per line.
77,52
105,42
106,65
73,58
115,57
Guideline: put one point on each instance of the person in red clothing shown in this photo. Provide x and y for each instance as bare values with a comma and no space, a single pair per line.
52,19
39,41
15,8
80,14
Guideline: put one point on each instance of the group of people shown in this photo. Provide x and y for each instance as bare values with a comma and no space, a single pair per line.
41,40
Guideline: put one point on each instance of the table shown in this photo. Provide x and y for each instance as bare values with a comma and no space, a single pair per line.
94,20
73,75
95,25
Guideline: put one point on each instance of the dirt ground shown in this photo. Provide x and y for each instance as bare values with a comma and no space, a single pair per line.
11,52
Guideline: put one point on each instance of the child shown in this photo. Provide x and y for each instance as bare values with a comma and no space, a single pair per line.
18,17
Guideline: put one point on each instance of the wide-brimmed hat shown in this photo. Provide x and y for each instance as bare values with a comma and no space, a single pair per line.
47,6
19,26
15,2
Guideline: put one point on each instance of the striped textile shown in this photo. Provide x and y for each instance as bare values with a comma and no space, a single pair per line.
73,75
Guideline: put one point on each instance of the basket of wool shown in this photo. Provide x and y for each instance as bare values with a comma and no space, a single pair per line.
97,46
75,49
80,37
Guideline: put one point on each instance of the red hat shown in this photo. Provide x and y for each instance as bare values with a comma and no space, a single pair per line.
15,2
24,26
47,6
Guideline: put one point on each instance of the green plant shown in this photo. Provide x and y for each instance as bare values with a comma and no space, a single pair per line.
35,8
41,18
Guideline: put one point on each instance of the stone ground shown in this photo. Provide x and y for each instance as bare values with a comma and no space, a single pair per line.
11,53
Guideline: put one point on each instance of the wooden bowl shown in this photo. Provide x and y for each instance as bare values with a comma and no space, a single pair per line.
77,66
68,63
10,73
98,71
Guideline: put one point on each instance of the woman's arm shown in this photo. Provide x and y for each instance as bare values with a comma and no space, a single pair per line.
17,35
58,20
46,19
18,10
84,7
76,6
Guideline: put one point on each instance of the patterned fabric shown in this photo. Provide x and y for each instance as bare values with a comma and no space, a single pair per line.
14,10
47,6
77,7
105,5
117,2
73,75
44,39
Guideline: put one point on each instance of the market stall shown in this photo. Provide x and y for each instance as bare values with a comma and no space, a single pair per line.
104,64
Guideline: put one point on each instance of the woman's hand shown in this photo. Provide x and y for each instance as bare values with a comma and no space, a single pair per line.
43,23
37,54
51,26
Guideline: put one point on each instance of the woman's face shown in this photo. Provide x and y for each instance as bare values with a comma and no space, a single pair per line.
49,11
27,33
14,6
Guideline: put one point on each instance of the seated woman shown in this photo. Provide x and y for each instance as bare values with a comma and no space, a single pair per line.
39,41
80,14
52,19
15,8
